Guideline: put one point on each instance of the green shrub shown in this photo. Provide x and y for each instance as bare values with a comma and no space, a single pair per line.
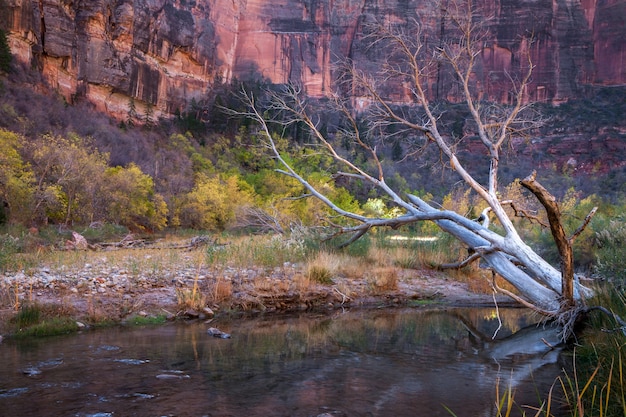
611,252
50,327
9,246
28,315
102,232
39,320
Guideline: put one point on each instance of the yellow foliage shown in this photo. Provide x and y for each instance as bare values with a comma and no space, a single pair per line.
73,168
132,201
212,202
16,178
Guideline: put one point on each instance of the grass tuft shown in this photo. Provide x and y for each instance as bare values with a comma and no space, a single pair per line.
39,321
320,274
191,298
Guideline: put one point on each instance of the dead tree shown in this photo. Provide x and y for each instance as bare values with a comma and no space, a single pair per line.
410,63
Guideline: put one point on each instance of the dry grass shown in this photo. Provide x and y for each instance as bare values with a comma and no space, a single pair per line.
133,261
480,281
220,290
353,268
216,291
256,251
323,267
269,285
191,298
383,279
414,253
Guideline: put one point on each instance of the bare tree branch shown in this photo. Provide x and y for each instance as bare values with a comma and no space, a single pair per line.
582,227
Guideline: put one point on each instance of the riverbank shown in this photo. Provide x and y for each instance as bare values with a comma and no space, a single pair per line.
116,285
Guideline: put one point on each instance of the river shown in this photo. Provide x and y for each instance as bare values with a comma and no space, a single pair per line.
387,362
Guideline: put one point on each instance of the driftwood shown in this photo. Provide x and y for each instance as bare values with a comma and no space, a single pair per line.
129,241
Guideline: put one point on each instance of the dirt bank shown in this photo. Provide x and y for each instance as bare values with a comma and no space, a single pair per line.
96,287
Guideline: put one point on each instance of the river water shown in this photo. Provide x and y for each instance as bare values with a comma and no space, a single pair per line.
399,362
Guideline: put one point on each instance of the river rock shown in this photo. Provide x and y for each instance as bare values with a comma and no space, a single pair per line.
191,313
215,332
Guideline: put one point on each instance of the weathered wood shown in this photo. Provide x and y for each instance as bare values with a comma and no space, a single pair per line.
563,243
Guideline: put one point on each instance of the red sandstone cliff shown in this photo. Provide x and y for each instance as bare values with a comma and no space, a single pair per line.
168,52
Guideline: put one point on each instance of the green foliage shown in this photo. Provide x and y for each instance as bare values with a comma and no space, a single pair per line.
574,209
50,327
190,120
9,246
148,119
6,58
611,252
376,207
102,232
185,145
358,249
27,316
131,115
33,320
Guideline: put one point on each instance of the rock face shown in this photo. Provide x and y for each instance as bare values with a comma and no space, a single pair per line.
164,53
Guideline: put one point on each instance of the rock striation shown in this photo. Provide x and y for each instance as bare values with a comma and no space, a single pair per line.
164,53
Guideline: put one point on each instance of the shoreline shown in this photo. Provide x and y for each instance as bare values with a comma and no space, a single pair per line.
98,291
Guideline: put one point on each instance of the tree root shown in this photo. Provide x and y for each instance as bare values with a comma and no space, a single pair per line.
571,317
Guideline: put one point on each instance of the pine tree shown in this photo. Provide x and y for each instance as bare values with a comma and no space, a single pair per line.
149,115
132,112
5,53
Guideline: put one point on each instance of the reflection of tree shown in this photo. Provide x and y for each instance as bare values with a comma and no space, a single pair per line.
380,361
384,332
528,340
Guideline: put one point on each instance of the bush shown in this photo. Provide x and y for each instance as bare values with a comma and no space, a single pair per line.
132,199
9,246
611,253
212,203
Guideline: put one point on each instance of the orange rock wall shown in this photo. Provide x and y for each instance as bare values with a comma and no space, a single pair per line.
167,53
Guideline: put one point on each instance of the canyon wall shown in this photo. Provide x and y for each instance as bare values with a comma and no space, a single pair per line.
163,54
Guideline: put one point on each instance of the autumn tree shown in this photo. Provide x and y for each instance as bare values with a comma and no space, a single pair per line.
16,180
212,203
414,65
130,199
68,172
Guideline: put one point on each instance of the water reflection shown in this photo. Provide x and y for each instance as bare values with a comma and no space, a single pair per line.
360,363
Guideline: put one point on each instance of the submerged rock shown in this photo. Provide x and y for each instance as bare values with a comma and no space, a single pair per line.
173,376
31,371
215,332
